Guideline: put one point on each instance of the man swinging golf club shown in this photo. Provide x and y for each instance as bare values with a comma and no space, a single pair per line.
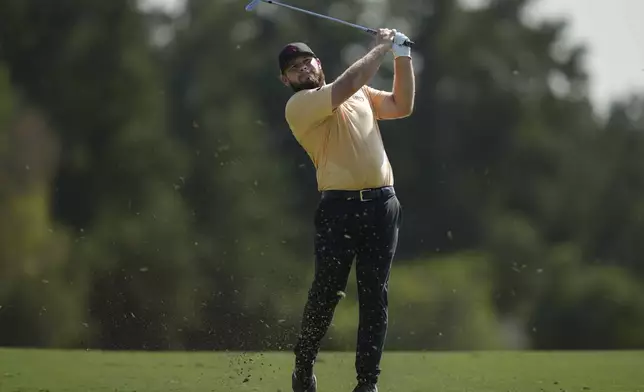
359,214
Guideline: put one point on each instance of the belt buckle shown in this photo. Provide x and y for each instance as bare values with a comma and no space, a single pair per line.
361,194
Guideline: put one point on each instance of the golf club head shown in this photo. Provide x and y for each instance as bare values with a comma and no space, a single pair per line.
251,6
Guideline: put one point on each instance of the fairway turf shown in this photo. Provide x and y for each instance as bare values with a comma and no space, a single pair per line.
76,371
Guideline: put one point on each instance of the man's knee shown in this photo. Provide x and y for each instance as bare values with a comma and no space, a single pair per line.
326,294
374,301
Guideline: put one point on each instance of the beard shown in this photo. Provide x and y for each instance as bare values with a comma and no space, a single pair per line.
313,82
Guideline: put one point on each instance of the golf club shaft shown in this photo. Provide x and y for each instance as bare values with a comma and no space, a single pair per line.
365,29
368,30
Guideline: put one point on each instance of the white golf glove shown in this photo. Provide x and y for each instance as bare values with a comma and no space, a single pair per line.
398,48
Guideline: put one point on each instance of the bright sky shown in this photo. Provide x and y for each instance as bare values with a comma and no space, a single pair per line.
612,30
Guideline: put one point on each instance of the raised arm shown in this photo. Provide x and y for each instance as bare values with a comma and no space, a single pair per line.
400,101
360,72
404,88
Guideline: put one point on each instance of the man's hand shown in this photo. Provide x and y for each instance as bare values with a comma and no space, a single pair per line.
398,48
385,37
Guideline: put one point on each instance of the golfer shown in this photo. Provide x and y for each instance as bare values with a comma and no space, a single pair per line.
359,214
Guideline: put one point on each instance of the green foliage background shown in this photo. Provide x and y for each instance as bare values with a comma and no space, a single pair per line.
153,197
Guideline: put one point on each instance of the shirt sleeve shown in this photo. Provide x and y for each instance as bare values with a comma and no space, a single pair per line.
308,107
376,97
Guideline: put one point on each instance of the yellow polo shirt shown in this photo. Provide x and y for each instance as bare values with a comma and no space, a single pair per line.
344,144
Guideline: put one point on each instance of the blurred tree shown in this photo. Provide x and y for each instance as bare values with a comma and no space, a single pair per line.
238,188
37,306
152,195
511,158
114,184
615,221
598,307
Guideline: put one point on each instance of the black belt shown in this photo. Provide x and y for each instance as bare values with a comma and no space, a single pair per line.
362,194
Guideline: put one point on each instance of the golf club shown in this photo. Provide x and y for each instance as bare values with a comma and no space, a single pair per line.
251,6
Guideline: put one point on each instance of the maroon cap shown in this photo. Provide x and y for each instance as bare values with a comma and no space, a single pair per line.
293,50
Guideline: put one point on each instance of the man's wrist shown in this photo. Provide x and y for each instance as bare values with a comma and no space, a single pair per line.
406,57
400,51
382,48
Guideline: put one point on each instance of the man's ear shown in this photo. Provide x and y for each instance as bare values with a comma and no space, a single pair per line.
284,80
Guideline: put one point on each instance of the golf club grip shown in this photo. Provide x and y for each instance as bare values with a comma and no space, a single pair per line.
408,43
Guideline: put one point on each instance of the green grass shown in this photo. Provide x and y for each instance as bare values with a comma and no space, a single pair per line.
76,371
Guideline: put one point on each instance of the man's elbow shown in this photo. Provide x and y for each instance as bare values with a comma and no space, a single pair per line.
406,110
401,107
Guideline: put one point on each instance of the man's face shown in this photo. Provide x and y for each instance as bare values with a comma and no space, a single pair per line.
303,73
